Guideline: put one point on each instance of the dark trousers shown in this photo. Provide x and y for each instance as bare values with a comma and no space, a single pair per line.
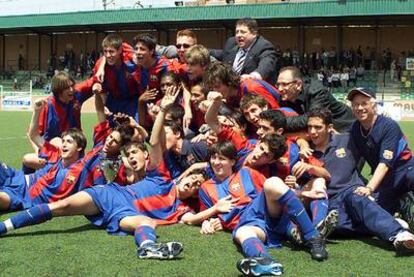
360,215
394,186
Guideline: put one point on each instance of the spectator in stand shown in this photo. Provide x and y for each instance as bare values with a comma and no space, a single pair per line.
251,55
352,76
320,76
344,78
287,58
325,57
336,78
20,62
392,70
360,71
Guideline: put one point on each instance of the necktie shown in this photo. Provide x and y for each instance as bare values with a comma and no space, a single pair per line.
239,65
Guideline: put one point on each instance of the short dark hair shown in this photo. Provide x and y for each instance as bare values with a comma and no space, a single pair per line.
78,137
276,143
199,82
177,113
250,23
226,149
296,74
126,133
221,72
233,115
172,75
276,118
176,127
148,40
323,113
250,99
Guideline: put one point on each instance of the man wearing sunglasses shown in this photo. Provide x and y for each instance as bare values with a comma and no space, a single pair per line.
303,96
185,39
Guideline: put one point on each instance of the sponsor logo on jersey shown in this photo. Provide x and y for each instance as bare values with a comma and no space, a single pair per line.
388,155
235,187
340,153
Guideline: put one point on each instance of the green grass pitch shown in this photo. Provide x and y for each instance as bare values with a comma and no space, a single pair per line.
73,247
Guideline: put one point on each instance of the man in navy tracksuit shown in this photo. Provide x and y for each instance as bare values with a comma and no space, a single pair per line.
357,213
380,141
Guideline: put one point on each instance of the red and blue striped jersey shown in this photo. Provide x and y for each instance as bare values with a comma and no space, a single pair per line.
151,77
49,152
243,145
52,155
258,87
283,166
57,183
156,197
119,82
57,117
245,184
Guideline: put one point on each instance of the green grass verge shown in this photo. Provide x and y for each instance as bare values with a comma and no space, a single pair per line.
73,247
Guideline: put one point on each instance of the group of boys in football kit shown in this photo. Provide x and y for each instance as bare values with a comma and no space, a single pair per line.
189,140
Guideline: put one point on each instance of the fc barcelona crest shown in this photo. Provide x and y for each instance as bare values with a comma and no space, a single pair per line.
340,153
70,179
283,160
388,155
153,78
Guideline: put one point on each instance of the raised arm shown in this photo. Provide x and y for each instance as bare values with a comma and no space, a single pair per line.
188,115
100,108
33,134
215,98
100,69
157,138
146,97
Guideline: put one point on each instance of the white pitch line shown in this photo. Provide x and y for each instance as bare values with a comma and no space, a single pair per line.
12,138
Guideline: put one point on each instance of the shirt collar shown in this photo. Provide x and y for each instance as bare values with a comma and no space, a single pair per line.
185,147
332,143
250,46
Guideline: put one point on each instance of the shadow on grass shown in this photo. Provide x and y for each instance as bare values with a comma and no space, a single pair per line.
83,228
372,241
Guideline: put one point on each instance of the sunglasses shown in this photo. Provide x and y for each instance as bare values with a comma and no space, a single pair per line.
184,45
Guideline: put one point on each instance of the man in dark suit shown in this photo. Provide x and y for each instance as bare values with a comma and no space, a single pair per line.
304,96
250,55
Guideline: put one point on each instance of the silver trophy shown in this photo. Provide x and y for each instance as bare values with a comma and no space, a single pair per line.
110,167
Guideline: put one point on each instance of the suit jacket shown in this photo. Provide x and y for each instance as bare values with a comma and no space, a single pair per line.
315,95
261,57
